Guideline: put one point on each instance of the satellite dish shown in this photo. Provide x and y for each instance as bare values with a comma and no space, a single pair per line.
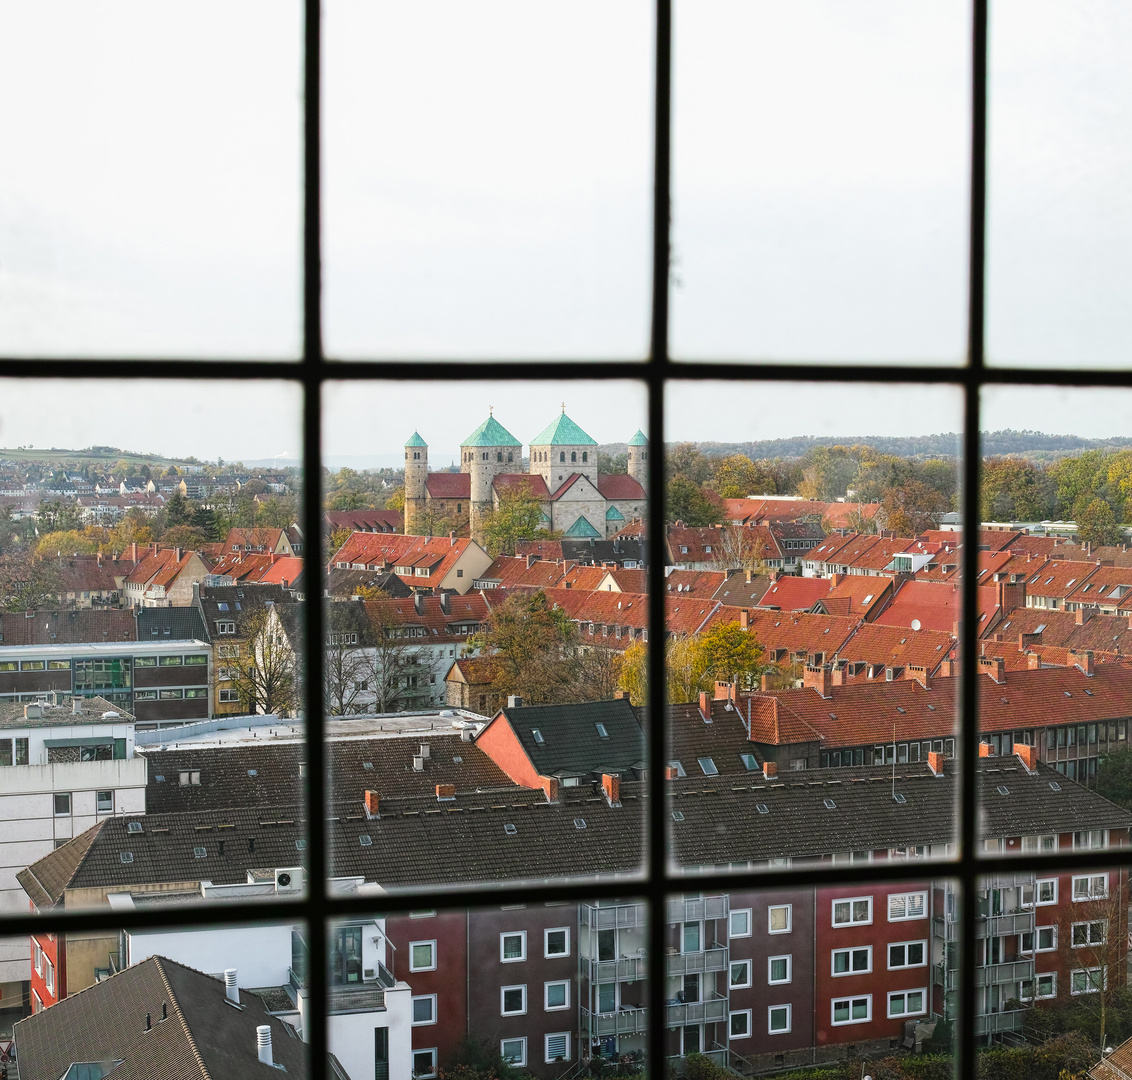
915,624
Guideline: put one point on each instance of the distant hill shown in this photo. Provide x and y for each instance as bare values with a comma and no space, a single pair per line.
101,454
948,444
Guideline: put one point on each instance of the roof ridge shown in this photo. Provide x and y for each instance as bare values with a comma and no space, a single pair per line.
181,1016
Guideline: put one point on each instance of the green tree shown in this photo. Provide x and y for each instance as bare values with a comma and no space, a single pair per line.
1114,776
685,502
178,510
479,1059
1096,523
728,653
737,476
688,461
517,517
266,674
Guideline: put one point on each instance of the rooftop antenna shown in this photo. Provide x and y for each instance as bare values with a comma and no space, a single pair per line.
894,762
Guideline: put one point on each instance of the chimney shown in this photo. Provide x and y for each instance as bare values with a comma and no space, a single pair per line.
995,667
532,558
445,603
1083,614
514,701
748,576
155,547
147,1024
611,785
745,619
935,762
452,538
165,1010
984,749
816,676
424,750
620,695
231,990
263,1043
134,550
1034,661
670,772
725,691
418,763
549,785
1028,755
1082,660
919,674
445,791
76,706
373,804
837,673
705,705
179,553
98,558
770,770
418,602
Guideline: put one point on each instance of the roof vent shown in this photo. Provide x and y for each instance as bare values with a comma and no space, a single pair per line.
199,852
231,991
762,808
126,857
829,804
367,765
263,1043
418,763
579,823
510,829
365,840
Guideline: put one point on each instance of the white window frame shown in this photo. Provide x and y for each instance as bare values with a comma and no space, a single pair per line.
522,1045
1035,893
1035,987
547,1007
746,914
922,893
921,990
747,980
546,1046
504,991
49,976
771,1010
99,808
1088,924
415,1052
1088,972
431,999
851,921
522,936
1037,939
745,1015
1090,880
413,966
834,953
38,957
867,1018
789,909
547,954
904,945
789,958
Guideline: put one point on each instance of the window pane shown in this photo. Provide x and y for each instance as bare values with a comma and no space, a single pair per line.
474,220
804,226
1057,214
152,181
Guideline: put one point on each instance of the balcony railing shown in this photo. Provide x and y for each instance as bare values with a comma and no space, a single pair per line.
1021,922
1006,881
708,907
993,1023
716,1057
693,963
615,917
712,1010
991,975
623,1022
626,969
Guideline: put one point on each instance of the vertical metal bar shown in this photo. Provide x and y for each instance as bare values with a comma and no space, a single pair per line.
316,794
969,741
657,854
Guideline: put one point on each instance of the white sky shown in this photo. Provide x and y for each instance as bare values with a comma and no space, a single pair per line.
487,179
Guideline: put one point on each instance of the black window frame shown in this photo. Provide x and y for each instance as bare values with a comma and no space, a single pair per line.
656,371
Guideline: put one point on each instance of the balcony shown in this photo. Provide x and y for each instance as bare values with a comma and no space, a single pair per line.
708,907
623,1022
1021,922
1012,971
614,917
710,1011
1005,881
716,1057
626,969
695,963
993,1023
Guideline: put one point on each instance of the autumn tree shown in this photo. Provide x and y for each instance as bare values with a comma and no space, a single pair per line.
737,477
183,536
28,583
685,502
912,508
728,653
518,516
740,548
688,461
266,671
1096,523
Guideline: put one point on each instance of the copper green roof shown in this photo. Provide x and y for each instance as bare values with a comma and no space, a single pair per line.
563,432
581,528
491,433
415,440
639,439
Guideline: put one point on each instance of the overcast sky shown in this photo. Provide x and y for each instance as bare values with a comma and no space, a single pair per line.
487,187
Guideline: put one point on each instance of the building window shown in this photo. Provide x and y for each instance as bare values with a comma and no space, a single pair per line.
424,1009
1088,933
1043,892
778,1019
906,954
1086,980
103,801
513,946
558,1047
1042,986
422,956
779,969
740,974
513,1051
740,1026
854,1010
778,919
855,911
37,956
62,803
513,1000
556,942
556,995
424,1062
740,923
1090,887
907,1003
904,906
852,961
229,696
190,778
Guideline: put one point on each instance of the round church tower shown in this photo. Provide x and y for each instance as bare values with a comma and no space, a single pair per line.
489,451
416,477
639,459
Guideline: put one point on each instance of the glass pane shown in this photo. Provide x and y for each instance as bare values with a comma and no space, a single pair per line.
522,987
1058,216
152,186
150,590
820,181
488,179
485,593
813,608
177,980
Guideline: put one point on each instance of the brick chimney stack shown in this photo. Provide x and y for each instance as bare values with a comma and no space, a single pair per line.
816,676
935,762
984,749
1028,755
770,770
611,785
373,804
705,705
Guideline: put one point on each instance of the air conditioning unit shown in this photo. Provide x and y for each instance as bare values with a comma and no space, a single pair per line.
289,879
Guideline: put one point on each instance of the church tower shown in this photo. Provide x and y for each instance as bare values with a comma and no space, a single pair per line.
639,459
561,449
416,477
489,451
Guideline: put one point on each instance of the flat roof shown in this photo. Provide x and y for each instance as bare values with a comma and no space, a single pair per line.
102,648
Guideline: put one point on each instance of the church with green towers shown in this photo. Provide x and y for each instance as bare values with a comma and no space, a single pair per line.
561,473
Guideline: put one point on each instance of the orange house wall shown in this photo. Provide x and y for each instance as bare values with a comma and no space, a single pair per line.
499,741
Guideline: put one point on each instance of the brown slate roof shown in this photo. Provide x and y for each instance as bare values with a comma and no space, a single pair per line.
203,1037
67,627
46,880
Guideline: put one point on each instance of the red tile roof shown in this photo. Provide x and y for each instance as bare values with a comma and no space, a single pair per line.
374,551
795,593
1056,580
449,485
888,646
936,605
620,486
522,483
700,583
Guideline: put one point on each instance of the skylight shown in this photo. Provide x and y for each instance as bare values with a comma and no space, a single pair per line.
602,733
829,804
126,856
579,823
749,761
367,765
899,798
253,772
762,808
199,852
677,815
708,766
537,736
134,826
1054,785
1002,789
510,829
365,840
